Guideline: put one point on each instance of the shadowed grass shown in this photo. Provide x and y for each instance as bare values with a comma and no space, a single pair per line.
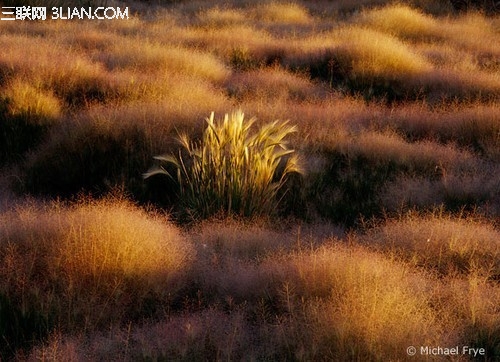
26,114
268,84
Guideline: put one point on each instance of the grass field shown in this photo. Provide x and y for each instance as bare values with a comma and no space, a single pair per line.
354,211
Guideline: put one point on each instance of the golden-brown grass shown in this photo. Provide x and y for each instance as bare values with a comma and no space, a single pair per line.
474,314
314,302
332,301
272,84
374,53
473,126
401,21
90,264
230,238
365,302
71,76
394,105
473,32
282,13
419,156
160,59
221,17
224,41
463,49
26,100
442,243
477,188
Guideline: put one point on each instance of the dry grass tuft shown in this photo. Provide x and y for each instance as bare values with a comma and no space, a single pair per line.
88,265
373,53
473,126
271,84
402,21
163,59
25,100
441,243
233,239
421,157
232,169
469,306
366,300
282,13
220,17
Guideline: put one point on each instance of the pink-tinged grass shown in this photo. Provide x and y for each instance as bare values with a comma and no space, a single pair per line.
441,243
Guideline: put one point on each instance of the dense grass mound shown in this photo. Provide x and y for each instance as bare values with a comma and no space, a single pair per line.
84,267
443,244
355,301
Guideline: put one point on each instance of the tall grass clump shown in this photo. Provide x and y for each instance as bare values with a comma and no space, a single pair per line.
232,170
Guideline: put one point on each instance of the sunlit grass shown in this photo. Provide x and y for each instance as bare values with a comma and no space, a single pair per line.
26,100
220,17
402,21
71,76
394,108
282,13
85,266
365,300
232,169
158,59
378,54
442,243
96,238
